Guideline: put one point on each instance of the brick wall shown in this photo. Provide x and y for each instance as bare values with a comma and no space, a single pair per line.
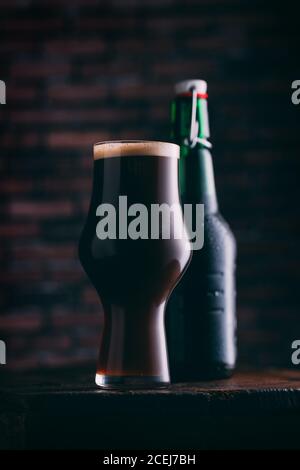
82,71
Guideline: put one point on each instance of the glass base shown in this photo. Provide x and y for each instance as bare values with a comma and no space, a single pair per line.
130,382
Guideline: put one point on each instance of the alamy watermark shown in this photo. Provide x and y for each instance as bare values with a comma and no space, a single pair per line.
161,221
2,92
2,352
296,94
296,353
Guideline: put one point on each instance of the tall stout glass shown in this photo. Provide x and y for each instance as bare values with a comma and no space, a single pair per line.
133,274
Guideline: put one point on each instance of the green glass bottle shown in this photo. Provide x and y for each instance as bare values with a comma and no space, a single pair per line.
201,316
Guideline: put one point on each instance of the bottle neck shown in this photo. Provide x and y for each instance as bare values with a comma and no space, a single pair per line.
196,174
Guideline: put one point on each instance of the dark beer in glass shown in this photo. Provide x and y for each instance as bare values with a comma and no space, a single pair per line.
133,276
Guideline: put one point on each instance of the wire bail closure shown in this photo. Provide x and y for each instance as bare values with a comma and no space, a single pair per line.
193,138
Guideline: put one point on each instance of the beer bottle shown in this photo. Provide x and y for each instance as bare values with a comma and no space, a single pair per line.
201,318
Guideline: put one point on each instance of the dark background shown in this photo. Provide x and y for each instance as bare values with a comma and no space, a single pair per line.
82,71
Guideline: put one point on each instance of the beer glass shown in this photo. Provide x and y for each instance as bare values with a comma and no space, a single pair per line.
133,263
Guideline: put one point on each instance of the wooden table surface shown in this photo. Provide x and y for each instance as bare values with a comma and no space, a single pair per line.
64,409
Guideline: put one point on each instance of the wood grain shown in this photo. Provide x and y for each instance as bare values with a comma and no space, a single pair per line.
254,409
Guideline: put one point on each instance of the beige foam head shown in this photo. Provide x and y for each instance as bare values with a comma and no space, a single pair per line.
126,148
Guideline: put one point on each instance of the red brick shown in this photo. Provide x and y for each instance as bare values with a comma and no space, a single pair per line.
66,3
24,362
18,230
159,113
39,69
44,251
90,341
54,343
20,93
176,24
74,46
13,45
71,185
22,321
30,139
185,68
132,90
260,292
132,134
18,343
14,186
41,210
101,115
26,275
100,23
62,360
90,296
211,43
67,319
75,140
85,203
70,275
82,92
24,25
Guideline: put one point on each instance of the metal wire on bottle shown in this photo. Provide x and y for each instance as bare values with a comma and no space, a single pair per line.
193,138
